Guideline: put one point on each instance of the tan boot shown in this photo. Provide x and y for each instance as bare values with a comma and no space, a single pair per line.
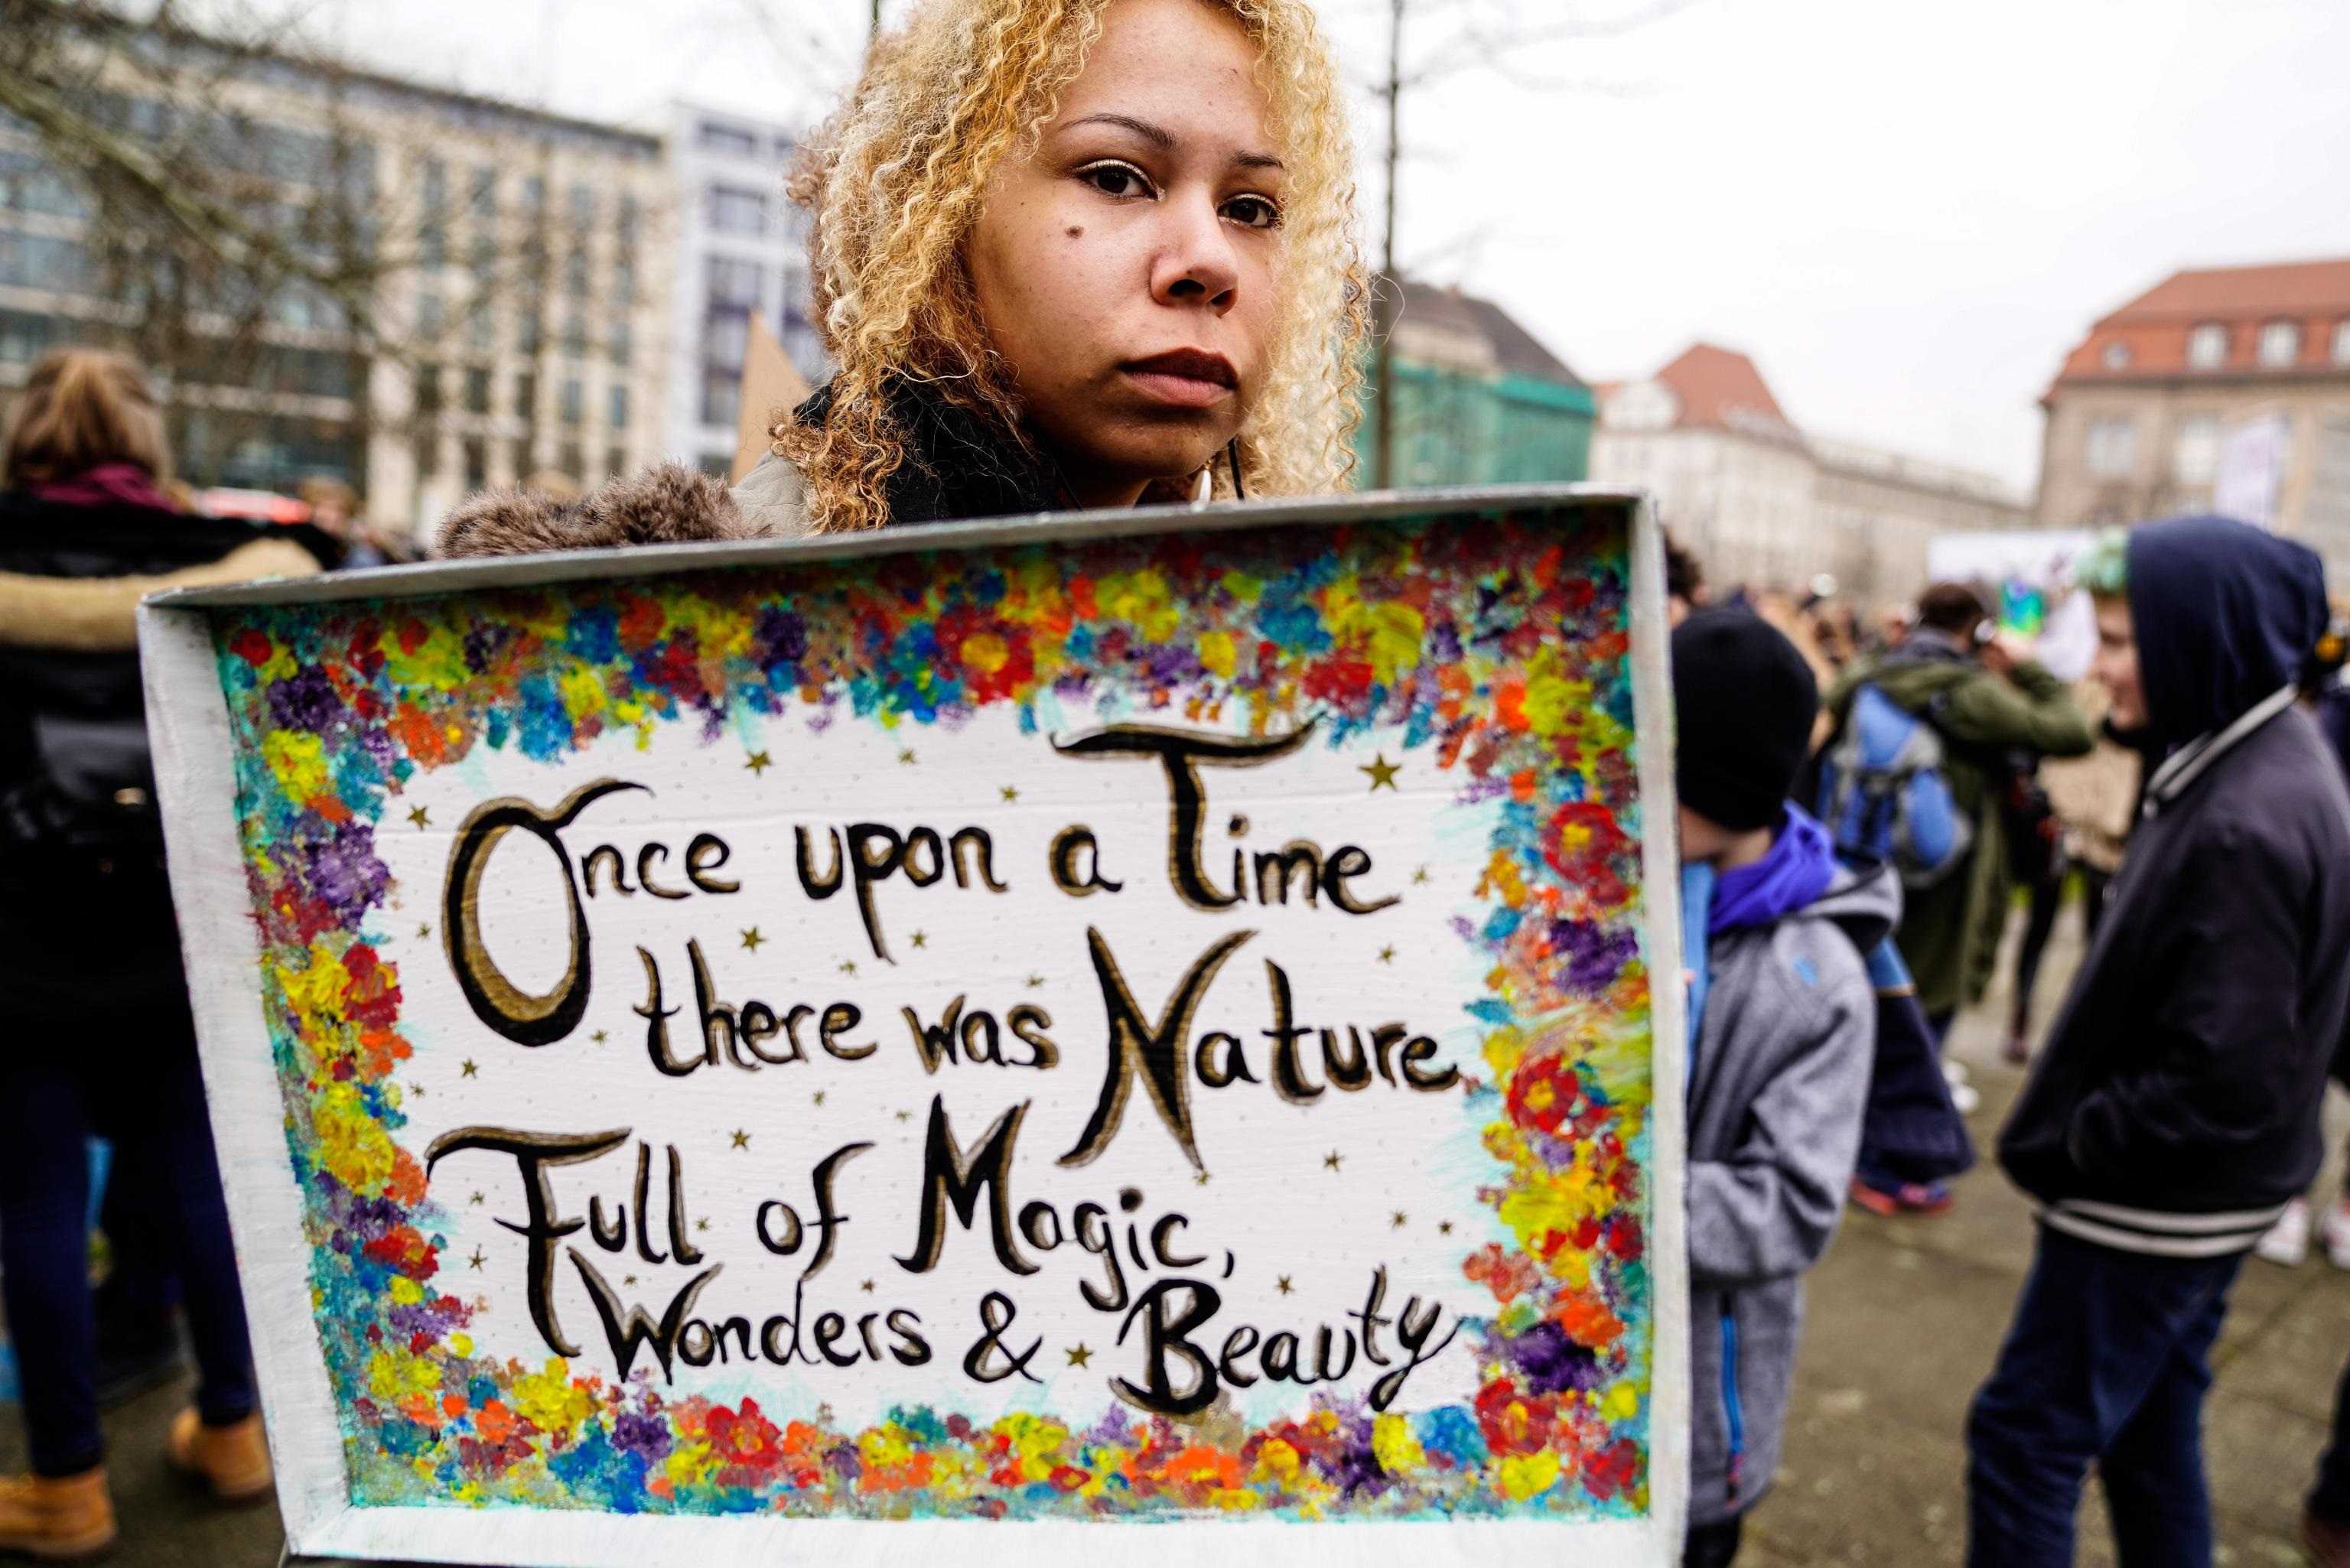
234,1461
56,1516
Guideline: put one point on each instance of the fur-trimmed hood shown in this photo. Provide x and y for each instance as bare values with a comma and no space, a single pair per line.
667,503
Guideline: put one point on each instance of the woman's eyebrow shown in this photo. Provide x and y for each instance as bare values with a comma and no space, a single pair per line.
1158,136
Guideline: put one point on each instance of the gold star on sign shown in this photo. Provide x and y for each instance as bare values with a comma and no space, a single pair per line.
1382,771
701,1224
423,931
1080,1356
1201,1179
742,1139
477,1198
470,1072
1034,980
421,817
907,756
905,1115
627,1279
1444,1227
416,1089
751,939
1399,1219
1420,875
819,1097
921,941
1387,954
759,763
1284,1282
479,1258
1011,794
848,966
866,1287
600,1038
1330,1160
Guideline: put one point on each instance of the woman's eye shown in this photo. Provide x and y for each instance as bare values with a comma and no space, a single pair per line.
1252,213
1116,180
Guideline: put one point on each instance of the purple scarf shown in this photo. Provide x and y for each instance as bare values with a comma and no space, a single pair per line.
1800,865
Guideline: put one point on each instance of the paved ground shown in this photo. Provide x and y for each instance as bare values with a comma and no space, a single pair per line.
1904,1318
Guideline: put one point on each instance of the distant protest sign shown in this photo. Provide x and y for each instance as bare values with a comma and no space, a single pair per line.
998,1034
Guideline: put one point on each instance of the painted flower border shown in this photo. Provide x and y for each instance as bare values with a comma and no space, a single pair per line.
1518,675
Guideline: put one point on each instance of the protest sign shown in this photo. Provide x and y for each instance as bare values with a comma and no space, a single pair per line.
987,1037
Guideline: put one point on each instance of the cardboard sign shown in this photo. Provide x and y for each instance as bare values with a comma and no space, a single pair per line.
984,1038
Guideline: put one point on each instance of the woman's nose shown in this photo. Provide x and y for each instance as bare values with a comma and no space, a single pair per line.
1196,263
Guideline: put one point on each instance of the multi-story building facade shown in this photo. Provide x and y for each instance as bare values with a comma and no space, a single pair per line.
508,305
2224,389
741,247
1762,502
1477,399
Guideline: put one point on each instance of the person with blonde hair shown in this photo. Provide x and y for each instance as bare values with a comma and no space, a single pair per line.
98,1037
1067,253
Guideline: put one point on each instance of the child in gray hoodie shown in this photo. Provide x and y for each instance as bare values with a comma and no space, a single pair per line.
1782,1032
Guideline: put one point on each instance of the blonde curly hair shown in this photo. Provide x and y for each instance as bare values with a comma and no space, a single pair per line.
895,180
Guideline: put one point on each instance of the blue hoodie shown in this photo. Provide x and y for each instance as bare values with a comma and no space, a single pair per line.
2227,615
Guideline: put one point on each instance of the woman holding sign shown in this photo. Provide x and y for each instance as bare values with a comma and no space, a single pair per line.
1068,253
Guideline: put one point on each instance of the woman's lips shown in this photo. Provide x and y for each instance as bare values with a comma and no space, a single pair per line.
1186,379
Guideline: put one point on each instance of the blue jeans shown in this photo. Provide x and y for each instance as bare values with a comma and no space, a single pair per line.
136,1082
2104,1362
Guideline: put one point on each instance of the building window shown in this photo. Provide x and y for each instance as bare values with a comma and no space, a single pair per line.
2280,343
2207,346
583,207
526,397
2112,444
734,210
616,408
624,279
727,140
616,461
530,331
534,195
718,464
735,282
431,316
427,452
482,325
575,336
574,274
574,406
2197,458
428,389
477,463
721,396
2117,355
624,343
478,391
483,200
520,456
567,459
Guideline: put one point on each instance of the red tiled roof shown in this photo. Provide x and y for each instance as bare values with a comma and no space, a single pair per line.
2152,330
1721,388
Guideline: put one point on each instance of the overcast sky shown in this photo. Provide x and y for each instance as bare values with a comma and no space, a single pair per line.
1905,211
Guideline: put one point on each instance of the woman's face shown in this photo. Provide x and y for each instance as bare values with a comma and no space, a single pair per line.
1124,270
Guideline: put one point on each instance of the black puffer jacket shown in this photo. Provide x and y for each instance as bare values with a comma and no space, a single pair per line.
84,900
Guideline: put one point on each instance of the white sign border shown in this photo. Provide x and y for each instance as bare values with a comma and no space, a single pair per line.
188,723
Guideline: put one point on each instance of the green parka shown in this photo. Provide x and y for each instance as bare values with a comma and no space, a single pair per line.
1951,931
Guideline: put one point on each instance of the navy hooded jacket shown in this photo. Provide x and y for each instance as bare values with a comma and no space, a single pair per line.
2175,1109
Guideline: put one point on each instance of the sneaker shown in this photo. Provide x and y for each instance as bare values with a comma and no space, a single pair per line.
56,1516
234,1461
2334,1232
2287,1242
1919,1199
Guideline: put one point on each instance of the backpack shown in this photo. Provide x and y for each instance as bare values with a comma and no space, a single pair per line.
1885,792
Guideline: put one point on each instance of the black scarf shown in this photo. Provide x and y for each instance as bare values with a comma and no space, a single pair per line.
960,463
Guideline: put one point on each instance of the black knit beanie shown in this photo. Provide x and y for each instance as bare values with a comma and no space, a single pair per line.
1745,703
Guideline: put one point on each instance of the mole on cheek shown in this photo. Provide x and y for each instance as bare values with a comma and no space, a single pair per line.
1077,232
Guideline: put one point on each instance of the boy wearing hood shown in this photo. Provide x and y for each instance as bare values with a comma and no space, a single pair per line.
2174,1111
1782,1030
